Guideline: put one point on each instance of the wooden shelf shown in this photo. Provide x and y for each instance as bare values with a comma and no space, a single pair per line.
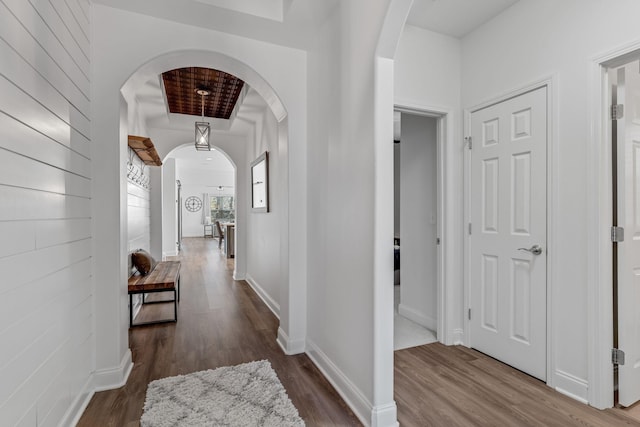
144,148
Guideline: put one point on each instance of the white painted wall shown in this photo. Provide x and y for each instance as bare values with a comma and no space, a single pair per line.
196,182
418,215
556,39
341,205
46,298
263,228
427,69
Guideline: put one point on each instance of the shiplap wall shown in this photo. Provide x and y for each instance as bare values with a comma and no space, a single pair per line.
138,212
46,304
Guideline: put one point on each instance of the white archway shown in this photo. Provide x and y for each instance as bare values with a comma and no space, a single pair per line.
164,220
129,57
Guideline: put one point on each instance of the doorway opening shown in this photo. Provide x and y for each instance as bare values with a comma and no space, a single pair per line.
417,226
613,290
624,130
207,179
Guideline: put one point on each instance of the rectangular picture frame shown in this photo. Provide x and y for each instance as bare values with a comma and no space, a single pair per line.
260,183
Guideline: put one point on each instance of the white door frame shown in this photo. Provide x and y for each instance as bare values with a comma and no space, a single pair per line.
552,214
445,131
599,210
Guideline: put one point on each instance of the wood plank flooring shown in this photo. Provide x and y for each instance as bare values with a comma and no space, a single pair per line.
222,322
436,385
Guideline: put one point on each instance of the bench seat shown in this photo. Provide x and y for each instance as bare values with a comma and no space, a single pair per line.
165,277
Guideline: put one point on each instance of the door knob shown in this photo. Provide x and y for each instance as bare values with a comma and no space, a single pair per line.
535,249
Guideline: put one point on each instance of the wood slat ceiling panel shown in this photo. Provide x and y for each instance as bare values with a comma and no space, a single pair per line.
180,87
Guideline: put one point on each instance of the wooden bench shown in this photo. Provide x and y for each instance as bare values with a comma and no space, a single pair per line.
165,277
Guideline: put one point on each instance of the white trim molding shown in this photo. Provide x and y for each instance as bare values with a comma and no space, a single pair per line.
75,411
264,296
289,346
116,377
385,415
447,155
418,317
599,209
357,401
572,386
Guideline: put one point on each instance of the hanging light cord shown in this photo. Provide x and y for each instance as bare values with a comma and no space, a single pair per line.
202,96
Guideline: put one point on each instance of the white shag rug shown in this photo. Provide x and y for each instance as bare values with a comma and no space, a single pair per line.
249,394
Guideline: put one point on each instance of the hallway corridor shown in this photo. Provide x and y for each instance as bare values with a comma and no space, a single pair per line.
221,322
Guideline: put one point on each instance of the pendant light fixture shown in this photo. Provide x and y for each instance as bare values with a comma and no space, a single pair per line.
202,128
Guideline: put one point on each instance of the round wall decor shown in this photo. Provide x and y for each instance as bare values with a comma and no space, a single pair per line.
193,203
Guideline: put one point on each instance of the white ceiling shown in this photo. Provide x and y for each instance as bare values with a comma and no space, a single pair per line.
189,158
455,18
302,18
292,23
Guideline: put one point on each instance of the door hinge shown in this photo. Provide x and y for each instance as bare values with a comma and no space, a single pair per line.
617,111
437,240
467,140
469,314
617,356
469,228
617,234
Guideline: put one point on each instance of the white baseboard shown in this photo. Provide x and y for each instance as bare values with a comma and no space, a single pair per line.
418,317
75,411
289,346
572,386
239,276
264,296
385,415
356,400
110,378
166,254
457,337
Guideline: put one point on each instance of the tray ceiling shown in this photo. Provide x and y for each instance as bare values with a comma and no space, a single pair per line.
180,87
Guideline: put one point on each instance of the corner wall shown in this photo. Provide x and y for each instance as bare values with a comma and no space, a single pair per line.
264,228
341,212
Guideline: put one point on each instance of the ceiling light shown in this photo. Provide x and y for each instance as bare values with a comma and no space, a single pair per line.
209,158
202,128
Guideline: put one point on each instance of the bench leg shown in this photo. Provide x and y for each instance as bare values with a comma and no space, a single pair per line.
175,304
130,310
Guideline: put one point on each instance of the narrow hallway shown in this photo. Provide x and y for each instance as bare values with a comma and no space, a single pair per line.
221,322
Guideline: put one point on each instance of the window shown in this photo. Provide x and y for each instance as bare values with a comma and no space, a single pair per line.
222,208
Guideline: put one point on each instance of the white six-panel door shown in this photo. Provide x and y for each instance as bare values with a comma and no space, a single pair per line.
508,207
628,163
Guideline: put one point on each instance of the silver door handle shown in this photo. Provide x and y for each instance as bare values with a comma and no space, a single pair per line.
535,249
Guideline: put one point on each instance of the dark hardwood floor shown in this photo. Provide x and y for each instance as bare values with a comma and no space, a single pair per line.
222,322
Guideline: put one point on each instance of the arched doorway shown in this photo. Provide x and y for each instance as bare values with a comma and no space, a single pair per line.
114,358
